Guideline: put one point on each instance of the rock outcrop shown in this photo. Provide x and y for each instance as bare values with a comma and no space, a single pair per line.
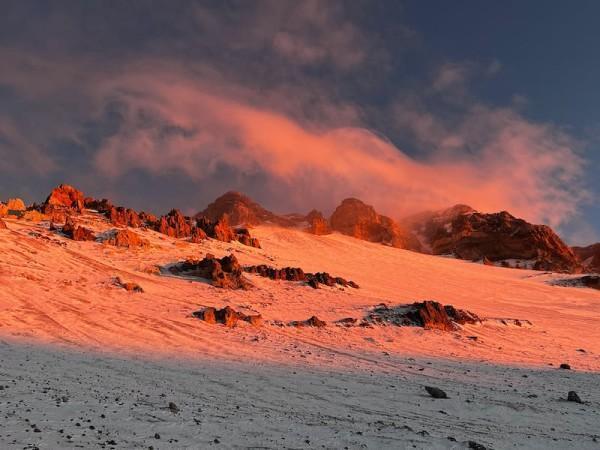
317,223
223,272
494,238
428,314
15,204
297,274
227,316
175,225
126,238
357,219
77,232
3,225
64,196
589,257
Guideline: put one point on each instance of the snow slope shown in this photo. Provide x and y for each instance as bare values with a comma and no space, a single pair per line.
60,310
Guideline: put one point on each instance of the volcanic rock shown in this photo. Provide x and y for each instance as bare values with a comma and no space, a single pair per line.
175,225
498,237
313,321
317,224
126,238
198,235
357,219
428,314
297,274
124,217
436,392
573,397
128,286
65,196
15,204
223,273
227,316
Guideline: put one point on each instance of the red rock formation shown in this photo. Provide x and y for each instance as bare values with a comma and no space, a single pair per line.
64,196
223,273
357,219
317,224
128,239
589,257
198,235
15,204
124,217
495,237
83,234
175,225
3,225
227,316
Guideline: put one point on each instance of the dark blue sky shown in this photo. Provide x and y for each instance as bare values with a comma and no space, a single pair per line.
168,104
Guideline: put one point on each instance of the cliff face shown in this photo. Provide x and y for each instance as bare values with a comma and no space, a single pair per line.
357,219
498,237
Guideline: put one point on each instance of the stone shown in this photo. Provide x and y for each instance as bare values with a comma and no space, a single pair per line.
127,238
565,366
65,196
573,397
436,392
223,273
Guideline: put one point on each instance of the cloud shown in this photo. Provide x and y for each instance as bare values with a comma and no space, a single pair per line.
492,158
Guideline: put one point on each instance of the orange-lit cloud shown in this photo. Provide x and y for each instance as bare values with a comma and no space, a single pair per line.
175,123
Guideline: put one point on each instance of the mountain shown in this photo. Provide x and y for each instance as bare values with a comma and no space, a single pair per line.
242,210
497,238
357,219
589,257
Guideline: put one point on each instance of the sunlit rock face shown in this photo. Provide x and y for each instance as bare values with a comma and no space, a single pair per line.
494,238
65,196
357,219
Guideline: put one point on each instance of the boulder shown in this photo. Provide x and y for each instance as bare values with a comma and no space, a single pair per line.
573,397
126,238
83,234
313,321
436,392
175,225
357,219
15,204
129,286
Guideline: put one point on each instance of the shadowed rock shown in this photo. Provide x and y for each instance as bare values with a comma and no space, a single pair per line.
297,274
227,316
224,273
128,286
428,314
436,392
313,321
573,397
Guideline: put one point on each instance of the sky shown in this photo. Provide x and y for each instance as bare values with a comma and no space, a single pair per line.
407,105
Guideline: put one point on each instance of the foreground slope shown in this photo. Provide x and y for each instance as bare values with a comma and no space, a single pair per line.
303,384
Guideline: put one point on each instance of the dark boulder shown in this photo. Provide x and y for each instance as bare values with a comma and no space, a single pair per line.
436,392
224,273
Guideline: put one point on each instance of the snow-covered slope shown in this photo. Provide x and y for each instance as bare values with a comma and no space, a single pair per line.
57,293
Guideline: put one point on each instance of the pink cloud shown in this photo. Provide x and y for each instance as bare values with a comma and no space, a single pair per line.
177,124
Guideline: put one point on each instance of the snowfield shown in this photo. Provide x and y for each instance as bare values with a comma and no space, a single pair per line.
74,347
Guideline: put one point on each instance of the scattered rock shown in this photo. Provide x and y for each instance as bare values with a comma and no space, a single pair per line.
476,446
227,316
565,366
313,321
573,397
76,232
297,274
128,286
435,392
173,408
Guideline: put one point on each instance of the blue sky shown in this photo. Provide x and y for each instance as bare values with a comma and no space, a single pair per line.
409,105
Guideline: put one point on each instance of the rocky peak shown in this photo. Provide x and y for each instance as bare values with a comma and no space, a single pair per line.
240,209
357,219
